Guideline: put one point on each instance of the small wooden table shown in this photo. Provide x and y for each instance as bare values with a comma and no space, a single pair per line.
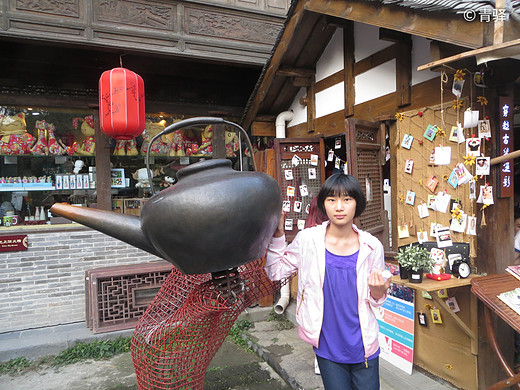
486,289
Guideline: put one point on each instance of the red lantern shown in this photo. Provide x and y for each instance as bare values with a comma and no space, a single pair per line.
121,104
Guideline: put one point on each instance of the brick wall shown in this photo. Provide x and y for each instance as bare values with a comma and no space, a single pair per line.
45,286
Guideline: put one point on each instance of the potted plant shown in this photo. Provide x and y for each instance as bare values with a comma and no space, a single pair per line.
415,259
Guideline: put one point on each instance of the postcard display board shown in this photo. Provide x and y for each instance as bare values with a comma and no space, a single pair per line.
300,171
440,189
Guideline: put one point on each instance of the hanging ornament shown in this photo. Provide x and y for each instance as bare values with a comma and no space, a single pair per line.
469,160
420,114
399,116
459,75
121,104
441,132
456,104
456,213
482,100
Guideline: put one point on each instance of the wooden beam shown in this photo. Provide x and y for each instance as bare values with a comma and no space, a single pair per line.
311,108
404,70
263,129
442,26
505,49
376,59
350,64
295,72
302,81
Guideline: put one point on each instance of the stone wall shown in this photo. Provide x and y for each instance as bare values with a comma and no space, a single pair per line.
45,285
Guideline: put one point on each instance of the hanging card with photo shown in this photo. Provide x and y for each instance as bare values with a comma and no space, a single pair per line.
453,180
297,206
430,132
312,173
423,210
296,160
431,201
337,143
410,198
431,160
314,159
443,237
288,174
408,167
442,293
442,155
402,231
301,224
307,208
330,156
345,168
459,225
286,206
436,316
422,236
442,201
462,173
431,184
452,304
337,162
457,86
433,228
472,189
288,224
472,226
454,134
421,318
304,190
487,194
482,166
290,191
407,141
473,147
484,129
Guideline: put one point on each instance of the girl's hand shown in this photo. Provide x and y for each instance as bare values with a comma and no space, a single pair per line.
280,229
377,284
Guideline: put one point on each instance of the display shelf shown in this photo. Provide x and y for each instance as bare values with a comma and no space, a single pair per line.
23,188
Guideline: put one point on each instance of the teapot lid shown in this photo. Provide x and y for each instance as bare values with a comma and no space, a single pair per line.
203,166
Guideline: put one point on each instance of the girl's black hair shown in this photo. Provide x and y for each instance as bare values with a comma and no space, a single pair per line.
341,184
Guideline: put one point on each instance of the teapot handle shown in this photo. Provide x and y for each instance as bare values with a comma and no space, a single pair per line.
188,123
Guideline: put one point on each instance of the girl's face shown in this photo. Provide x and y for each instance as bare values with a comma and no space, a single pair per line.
340,209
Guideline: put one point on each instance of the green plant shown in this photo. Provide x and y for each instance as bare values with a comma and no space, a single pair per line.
97,349
415,258
14,365
236,331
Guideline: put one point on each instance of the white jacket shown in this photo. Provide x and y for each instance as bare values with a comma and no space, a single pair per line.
306,254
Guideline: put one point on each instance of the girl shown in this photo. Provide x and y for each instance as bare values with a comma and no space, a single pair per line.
339,280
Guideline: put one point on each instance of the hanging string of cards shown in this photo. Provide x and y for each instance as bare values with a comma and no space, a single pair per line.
439,170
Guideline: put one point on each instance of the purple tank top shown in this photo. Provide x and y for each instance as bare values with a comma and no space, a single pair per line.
340,339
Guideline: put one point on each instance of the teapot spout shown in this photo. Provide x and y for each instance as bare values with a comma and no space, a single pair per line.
124,227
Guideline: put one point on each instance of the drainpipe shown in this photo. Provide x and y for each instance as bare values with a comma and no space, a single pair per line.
285,291
283,117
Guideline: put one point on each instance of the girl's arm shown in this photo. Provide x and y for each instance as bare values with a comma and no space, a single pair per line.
376,283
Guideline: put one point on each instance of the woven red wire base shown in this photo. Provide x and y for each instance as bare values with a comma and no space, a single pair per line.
187,322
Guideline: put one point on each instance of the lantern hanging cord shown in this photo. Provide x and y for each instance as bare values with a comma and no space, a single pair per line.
121,60
188,123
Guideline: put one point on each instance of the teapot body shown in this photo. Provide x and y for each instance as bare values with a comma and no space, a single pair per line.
214,218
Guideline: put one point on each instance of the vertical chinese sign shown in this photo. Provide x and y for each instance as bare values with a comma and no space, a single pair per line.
396,327
506,146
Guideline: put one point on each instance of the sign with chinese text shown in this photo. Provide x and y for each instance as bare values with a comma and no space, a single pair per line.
506,186
13,243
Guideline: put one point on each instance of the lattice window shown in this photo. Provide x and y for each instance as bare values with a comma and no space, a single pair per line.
369,169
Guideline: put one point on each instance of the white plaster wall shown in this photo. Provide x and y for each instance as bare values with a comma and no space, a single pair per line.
376,82
331,60
421,56
330,100
366,41
300,112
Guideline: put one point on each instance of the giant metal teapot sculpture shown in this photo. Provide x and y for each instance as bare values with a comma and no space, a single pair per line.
214,218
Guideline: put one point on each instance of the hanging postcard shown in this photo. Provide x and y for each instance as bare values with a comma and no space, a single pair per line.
312,173
330,156
337,162
402,231
442,202
431,160
422,236
345,168
430,132
453,180
459,224
484,129
288,174
463,174
473,147
307,208
314,159
301,224
297,206
472,189
296,160
433,228
442,155
288,224
470,118
472,226
407,141
456,89
410,198
444,237
290,191
487,194
423,210
431,184
460,134
408,168
436,316
304,190
337,143
431,201
452,304
454,134
482,166
286,206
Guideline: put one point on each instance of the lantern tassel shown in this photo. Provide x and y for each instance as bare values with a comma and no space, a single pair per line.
483,220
